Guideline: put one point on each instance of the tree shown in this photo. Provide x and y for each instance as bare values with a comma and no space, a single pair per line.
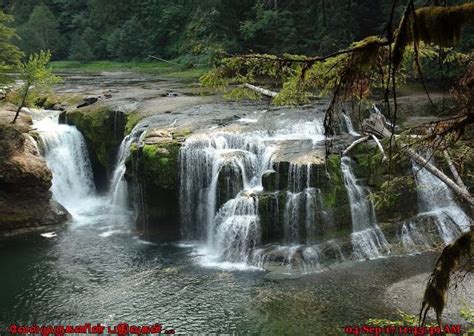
10,54
41,32
35,74
80,50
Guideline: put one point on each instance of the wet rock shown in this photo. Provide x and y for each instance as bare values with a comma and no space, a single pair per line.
25,180
89,100
103,129
270,180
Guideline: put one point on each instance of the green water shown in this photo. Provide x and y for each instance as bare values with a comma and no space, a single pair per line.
83,275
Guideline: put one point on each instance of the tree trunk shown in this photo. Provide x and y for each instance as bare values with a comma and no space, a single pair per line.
260,90
23,99
454,171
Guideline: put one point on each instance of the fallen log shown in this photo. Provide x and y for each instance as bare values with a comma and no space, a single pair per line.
454,171
355,143
260,90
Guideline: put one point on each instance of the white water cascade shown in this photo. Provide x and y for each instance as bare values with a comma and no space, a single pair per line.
436,200
349,126
65,152
118,185
368,241
66,155
222,212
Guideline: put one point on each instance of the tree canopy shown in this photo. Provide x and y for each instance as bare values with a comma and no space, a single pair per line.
132,30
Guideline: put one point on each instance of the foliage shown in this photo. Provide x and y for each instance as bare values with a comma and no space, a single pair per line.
41,32
439,25
80,50
35,75
391,191
10,54
132,30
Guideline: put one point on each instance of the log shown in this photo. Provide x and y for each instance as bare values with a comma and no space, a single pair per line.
260,90
355,143
163,60
380,146
376,124
454,171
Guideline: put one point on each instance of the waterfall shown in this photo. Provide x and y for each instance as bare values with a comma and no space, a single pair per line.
367,239
65,152
349,126
118,191
436,200
222,212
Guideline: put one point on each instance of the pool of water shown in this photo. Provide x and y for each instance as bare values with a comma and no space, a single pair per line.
95,270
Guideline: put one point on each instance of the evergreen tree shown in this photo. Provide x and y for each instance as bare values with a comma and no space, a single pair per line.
41,32
80,50
9,53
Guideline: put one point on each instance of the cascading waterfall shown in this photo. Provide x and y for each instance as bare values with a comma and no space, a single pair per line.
349,126
118,185
211,210
368,240
66,155
301,203
436,200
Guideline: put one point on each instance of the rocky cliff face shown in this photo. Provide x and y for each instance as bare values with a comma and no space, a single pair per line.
25,199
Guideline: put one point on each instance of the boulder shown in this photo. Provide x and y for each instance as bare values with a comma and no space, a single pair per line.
25,199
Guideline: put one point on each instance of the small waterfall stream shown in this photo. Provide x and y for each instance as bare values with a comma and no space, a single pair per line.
436,200
367,239
118,185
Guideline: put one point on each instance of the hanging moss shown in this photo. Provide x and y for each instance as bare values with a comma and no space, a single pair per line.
366,51
443,25
438,25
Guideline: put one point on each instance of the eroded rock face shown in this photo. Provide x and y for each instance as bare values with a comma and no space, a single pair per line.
153,170
103,130
25,199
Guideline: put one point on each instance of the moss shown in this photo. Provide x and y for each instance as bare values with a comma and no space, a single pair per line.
181,134
332,191
435,24
102,130
160,164
132,120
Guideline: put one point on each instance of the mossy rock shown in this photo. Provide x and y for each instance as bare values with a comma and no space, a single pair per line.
103,130
132,120
160,164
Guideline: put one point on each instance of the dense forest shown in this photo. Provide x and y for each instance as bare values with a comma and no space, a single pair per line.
193,31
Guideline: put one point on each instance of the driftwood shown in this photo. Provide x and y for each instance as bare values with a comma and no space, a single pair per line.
163,60
376,125
458,190
260,90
